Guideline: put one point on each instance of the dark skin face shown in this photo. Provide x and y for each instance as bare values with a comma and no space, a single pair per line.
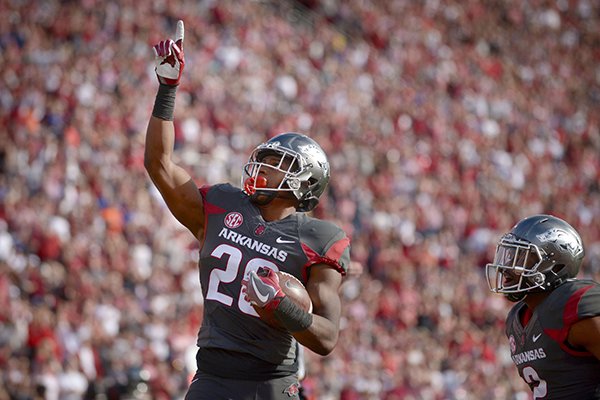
272,175
525,259
284,203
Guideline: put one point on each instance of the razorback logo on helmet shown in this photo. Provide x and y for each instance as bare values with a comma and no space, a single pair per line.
564,239
233,220
292,390
316,153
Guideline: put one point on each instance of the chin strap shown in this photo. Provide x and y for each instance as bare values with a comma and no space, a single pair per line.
262,197
515,297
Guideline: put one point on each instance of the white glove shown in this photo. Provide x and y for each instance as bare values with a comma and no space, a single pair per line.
168,58
262,288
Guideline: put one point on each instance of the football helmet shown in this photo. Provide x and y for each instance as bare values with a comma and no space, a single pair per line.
538,254
303,163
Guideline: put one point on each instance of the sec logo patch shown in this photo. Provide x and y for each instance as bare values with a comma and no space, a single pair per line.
233,220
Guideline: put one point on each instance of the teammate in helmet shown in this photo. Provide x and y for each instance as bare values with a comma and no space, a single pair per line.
245,234
554,329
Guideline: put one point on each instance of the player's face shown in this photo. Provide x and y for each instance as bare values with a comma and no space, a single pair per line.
517,260
269,177
274,175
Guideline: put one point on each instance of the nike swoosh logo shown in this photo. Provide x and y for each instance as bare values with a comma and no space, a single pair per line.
262,297
281,240
536,337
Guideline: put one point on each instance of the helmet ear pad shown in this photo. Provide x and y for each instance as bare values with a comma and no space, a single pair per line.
308,201
559,275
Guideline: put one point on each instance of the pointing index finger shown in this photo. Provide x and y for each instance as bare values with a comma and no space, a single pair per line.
179,34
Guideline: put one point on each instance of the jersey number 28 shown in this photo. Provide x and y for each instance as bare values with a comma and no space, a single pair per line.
228,275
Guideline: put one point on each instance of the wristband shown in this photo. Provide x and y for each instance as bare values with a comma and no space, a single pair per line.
164,104
291,316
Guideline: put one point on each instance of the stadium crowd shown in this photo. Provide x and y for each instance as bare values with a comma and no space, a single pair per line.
445,122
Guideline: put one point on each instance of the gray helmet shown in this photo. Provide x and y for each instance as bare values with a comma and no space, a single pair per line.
303,162
538,254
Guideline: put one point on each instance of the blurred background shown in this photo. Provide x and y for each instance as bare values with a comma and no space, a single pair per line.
445,121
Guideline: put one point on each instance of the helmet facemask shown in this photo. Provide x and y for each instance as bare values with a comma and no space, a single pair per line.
290,165
540,253
516,269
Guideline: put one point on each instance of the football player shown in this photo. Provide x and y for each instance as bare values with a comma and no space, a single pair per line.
245,234
554,329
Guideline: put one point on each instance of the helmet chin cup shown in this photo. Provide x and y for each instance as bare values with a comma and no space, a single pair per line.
515,297
262,197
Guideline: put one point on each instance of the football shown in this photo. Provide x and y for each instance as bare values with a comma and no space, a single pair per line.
295,290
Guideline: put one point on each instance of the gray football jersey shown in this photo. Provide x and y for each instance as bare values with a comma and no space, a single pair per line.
238,240
551,368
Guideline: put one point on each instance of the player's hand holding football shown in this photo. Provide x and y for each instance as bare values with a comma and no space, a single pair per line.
168,58
262,288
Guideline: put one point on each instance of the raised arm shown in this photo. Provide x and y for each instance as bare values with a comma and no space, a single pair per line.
175,185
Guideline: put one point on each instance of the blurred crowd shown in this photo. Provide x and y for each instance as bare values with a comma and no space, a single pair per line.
445,122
